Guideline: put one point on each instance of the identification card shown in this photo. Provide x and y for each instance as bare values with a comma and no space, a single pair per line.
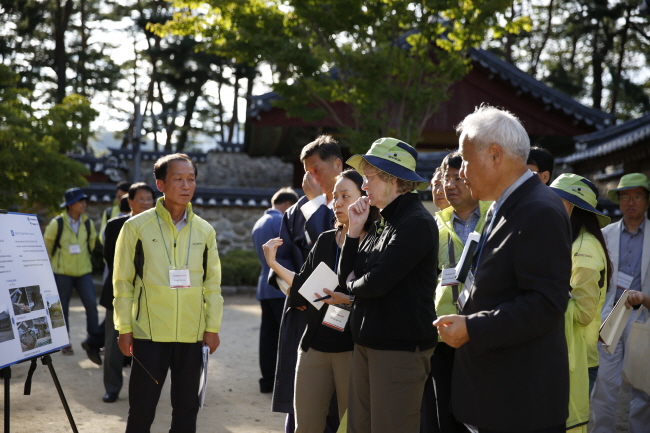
179,278
448,277
464,295
624,281
75,249
336,317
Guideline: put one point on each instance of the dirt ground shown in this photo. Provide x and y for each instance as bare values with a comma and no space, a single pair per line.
233,401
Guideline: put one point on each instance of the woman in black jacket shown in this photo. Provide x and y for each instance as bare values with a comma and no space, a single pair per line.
391,273
325,352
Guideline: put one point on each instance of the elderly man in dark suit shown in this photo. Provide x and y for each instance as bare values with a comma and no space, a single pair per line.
511,371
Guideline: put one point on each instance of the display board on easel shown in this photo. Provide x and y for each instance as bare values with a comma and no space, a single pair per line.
31,316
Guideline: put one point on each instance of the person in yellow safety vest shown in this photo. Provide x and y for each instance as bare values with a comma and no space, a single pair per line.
465,215
114,210
69,240
589,275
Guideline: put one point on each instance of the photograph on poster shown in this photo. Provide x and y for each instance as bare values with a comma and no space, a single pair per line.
34,298
34,333
6,330
19,300
55,310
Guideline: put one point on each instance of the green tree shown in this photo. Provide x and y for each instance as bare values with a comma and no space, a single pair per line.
33,147
389,62
593,50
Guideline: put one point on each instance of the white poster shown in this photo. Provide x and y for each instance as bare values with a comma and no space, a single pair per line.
31,317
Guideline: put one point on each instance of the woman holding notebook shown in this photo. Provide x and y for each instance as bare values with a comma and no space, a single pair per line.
325,353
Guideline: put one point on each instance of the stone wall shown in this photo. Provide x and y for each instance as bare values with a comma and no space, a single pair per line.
225,169
233,224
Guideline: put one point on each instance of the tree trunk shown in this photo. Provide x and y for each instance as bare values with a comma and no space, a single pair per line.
61,21
616,79
597,72
252,72
190,106
235,107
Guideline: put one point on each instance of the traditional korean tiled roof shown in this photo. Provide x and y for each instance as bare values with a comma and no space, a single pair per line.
612,139
203,196
550,97
515,77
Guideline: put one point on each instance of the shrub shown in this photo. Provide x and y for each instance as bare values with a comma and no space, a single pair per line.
240,268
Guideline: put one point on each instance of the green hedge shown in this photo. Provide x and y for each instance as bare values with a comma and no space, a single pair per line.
240,268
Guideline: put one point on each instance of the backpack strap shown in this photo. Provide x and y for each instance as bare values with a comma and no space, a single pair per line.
59,232
87,224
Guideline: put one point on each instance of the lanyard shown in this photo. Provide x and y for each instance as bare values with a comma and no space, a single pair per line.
485,236
189,242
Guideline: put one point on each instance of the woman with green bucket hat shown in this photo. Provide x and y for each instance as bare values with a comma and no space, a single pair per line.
590,271
392,276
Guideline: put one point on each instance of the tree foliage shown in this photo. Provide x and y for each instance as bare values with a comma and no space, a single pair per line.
594,50
33,147
390,62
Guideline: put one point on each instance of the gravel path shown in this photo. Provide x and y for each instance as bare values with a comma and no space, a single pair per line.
233,401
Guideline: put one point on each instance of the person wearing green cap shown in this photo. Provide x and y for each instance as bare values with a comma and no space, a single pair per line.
589,275
511,370
392,276
628,238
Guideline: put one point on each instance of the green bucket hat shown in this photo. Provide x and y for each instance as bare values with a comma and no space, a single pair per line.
579,192
629,181
394,157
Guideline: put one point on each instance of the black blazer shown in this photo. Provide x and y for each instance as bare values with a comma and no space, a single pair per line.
299,235
112,231
513,374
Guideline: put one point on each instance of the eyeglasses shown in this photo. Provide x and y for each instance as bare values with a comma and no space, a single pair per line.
637,197
450,180
365,177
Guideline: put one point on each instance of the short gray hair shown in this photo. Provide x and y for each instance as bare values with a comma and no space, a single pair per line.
488,125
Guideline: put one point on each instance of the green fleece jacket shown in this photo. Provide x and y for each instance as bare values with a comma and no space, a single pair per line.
150,308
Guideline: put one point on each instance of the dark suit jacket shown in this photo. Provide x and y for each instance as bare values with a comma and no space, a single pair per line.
513,374
298,236
112,231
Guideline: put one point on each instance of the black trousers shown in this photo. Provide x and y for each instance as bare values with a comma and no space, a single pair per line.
269,336
442,366
184,360
558,429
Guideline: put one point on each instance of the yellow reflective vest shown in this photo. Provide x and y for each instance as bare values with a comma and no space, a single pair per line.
63,262
148,306
444,294
588,282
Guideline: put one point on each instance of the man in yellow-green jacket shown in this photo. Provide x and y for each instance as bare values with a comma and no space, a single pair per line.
69,239
168,304
455,223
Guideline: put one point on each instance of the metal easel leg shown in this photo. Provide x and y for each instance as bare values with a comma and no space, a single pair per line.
47,360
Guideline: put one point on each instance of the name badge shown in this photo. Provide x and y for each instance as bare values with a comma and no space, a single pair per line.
336,317
464,295
75,249
624,281
179,278
448,277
